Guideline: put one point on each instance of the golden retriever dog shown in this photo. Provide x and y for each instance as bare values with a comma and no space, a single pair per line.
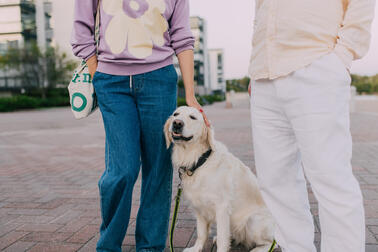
220,188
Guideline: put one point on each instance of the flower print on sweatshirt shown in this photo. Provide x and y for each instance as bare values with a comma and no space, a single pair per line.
137,25
136,36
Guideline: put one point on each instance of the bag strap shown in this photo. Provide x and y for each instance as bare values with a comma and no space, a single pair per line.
97,26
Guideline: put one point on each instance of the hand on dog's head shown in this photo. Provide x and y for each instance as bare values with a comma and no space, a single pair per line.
186,126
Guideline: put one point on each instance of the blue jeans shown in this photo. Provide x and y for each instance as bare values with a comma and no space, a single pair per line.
134,117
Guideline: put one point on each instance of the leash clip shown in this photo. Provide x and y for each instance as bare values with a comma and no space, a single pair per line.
189,173
181,171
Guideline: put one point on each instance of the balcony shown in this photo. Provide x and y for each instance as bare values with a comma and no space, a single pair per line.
198,57
27,7
49,34
47,7
10,28
9,2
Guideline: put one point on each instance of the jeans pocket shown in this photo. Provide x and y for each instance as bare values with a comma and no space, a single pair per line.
171,73
174,73
95,78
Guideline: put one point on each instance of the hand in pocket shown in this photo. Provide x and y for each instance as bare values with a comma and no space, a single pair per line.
92,65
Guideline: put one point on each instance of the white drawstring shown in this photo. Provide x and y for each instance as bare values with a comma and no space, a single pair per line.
131,82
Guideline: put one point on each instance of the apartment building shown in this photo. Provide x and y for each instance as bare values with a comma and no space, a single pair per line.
23,22
217,81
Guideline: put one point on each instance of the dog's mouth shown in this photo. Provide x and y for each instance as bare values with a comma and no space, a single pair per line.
180,137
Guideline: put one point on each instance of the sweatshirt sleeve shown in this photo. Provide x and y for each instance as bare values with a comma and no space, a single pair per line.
181,36
354,35
83,38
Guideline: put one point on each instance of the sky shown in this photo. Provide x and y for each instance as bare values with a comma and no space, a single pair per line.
229,26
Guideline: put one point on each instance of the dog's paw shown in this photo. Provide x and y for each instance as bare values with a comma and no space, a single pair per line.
261,248
192,249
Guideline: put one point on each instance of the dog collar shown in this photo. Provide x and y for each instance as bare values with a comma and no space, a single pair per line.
190,171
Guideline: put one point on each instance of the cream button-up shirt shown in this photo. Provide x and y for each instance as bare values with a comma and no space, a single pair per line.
290,34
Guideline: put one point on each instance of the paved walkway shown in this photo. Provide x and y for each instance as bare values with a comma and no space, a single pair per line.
50,164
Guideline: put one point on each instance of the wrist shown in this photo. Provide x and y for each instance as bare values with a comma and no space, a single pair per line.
92,60
190,97
189,94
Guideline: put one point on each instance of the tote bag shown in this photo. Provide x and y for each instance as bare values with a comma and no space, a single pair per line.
83,98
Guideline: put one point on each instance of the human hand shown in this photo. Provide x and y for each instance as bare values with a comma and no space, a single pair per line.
191,101
92,65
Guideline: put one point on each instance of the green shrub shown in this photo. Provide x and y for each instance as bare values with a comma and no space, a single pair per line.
365,84
181,102
8,104
238,85
60,101
214,98
50,92
364,88
59,97
14,103
202,100
57,92
34,92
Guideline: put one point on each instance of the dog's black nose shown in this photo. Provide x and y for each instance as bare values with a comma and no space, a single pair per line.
177,126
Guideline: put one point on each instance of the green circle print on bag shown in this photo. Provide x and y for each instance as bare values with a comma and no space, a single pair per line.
75,97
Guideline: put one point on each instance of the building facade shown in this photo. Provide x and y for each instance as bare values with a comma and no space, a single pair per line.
23,22
201,57
217,81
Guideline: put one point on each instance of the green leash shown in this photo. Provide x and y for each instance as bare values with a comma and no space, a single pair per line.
174,219
273,246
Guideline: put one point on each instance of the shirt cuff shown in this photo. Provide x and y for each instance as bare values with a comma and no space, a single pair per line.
88,57
84,51
182,49
344,54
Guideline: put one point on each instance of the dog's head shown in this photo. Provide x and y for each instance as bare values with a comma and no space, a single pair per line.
186,126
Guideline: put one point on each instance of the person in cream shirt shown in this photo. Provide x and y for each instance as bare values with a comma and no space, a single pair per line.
300,92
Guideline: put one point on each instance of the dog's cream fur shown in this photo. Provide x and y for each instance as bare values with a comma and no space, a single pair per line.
223,190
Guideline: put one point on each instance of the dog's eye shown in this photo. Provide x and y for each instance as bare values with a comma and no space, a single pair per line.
193,117
176,114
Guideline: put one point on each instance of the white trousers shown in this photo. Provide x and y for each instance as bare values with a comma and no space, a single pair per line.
301,127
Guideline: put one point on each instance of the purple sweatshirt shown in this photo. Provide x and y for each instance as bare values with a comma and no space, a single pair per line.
136,36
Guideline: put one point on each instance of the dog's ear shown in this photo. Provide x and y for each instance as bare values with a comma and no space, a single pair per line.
168,136
210,137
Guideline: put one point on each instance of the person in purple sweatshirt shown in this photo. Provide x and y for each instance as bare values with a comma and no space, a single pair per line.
136,86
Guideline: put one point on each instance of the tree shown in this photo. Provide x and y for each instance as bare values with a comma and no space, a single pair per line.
238,85
59,67
365,84
38,69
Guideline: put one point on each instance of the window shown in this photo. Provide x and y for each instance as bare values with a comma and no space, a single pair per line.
13,44
3,48
220,59
28,19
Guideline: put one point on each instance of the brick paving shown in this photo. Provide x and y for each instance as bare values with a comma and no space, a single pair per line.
50,165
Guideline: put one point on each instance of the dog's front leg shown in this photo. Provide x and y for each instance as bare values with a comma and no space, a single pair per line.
202,233
223,229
